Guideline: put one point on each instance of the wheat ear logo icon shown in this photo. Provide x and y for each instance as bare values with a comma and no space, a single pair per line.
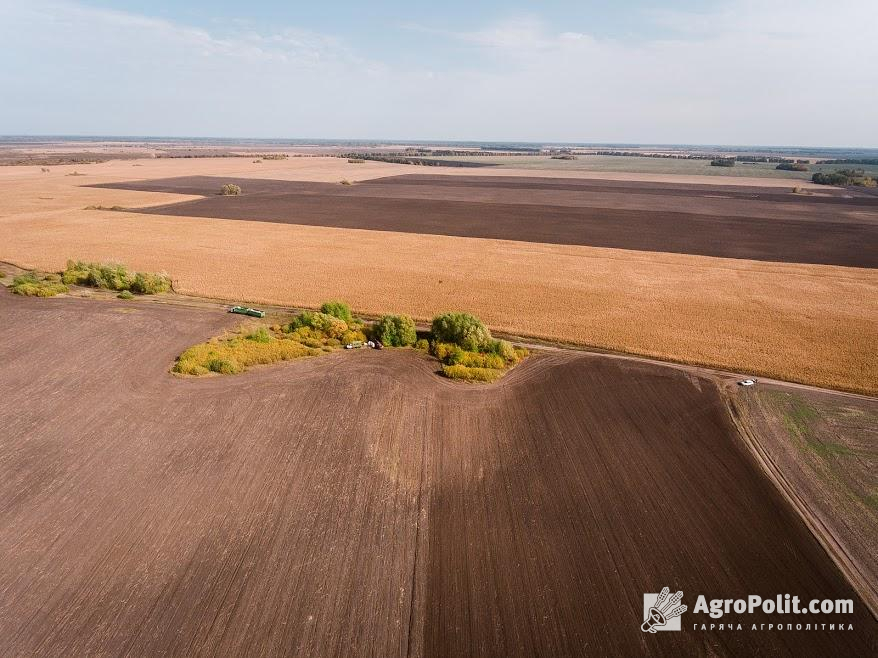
665,608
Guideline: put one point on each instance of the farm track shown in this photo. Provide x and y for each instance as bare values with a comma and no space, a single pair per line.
358,504
718,221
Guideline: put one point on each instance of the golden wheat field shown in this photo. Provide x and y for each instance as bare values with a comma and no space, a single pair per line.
815,324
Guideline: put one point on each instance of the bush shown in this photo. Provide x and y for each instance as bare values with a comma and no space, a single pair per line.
447,353
471,374
260,335
114,276
125,294
339,310
329,325
345,182
353,336
230,189
423,345
462,329
223,366
396,330
110,276
477,360
32,284
145,283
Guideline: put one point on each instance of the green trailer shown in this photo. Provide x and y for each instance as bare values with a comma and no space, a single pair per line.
244,310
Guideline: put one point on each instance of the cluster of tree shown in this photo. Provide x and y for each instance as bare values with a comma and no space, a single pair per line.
400,159
767,158
859,161
845,178
792,166
723,162
395,331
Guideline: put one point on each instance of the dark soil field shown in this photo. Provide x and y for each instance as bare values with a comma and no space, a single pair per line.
832,228
357,504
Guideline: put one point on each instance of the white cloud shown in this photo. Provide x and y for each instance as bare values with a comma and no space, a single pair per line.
749,72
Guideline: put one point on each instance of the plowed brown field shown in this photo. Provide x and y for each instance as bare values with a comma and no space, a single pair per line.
356,504
661,218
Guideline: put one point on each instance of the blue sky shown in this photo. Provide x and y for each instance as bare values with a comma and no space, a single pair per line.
729,72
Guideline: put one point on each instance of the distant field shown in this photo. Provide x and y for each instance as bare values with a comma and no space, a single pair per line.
611,163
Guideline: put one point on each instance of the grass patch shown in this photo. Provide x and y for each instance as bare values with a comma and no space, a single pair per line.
799,419
125,294
470,374
35,284
310,333
235,353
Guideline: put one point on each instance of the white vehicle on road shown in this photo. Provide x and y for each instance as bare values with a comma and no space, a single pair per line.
747,382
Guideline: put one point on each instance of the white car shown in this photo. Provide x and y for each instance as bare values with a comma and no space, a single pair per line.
747,382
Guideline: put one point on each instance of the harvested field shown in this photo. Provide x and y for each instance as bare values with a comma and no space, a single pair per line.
359,504
809,323
783,227
825,445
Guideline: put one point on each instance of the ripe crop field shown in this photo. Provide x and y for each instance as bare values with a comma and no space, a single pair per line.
356,503
811,323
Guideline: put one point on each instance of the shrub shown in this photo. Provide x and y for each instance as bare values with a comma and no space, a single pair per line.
396,330
422,344
327,324
260,335
125,294
223,366
145,283
471,374
345,182
462,329
114,276
111,276
351,336
32,284
448,353
339,310
477,360
230,189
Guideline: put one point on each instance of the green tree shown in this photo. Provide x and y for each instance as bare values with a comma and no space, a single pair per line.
396,330
462,329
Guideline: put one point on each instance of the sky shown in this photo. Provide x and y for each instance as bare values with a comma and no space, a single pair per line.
738,72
